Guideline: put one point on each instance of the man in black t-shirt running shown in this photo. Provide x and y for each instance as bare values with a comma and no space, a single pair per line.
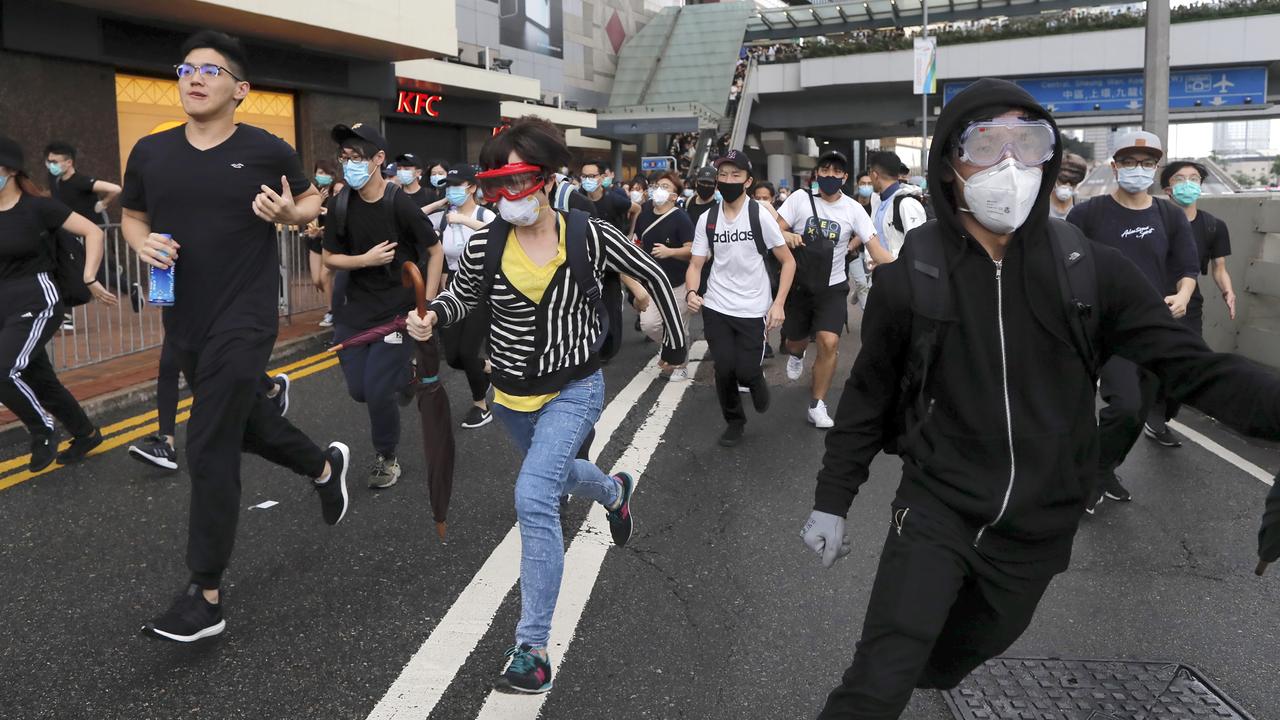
200,199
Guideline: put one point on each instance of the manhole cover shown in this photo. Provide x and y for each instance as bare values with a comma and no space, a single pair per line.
1052,689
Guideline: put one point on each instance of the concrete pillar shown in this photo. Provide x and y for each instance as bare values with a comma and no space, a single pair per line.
1155,110
779,168
615,157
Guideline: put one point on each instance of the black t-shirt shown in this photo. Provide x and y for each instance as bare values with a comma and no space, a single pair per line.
1158,239
423,197
374,294
227,276
77,193
613,207
1213,240
696,209
673,229
26,240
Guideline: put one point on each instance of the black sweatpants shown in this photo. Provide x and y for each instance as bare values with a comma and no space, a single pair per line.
1129,392
374,372
737,349
167,390
29,387
464,344
938,610
230,414
1165,408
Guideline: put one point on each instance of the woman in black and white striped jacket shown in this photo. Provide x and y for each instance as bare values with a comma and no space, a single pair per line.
544,331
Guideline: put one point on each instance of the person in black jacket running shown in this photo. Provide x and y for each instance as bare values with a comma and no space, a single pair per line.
998,468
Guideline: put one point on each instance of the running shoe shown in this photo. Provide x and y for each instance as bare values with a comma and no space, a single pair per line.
384,472
155,451
68,323
620,522
281,399
327,320
1114,490
191,618
1164,437
526,672
732,435
135,297
679,374
80,447
760,394
795,367
1095,501
744,389
333,492
477,417
768,351
44,450
819,418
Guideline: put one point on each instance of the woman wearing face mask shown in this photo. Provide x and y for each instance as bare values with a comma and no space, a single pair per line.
1064,192
543,341
32,305
464,342
328,183
666,232
435,176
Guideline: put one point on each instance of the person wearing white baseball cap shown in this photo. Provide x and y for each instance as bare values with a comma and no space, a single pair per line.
1156,236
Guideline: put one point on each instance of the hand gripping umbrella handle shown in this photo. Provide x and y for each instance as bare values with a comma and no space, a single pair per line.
411,277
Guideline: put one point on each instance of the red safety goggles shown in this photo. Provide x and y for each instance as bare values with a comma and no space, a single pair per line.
513,181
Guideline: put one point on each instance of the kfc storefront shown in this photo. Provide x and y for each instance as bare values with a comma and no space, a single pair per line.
438,123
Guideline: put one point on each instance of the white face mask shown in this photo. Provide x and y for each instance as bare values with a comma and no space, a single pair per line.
660,196
637,196
1001,197
1135,179
1064,193
522,212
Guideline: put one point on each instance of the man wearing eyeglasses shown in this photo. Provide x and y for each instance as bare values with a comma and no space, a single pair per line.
1157,238
996,390
204,198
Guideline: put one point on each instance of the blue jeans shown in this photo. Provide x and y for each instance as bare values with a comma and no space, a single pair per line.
550,438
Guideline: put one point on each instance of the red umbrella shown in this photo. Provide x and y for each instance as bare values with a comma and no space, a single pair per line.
433,402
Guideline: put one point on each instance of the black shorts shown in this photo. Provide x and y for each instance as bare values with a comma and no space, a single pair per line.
809,314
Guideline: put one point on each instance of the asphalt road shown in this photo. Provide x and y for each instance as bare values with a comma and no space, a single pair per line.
714,610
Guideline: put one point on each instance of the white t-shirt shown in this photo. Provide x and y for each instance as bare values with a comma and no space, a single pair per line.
739,283
455,236
844,216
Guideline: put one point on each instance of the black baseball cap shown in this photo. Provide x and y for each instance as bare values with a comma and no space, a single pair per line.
704,174
408,160
10,154
460,173
737,158
834,157
367,133
1165,174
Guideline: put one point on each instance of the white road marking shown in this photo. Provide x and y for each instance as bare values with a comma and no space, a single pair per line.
1213,447
586,553
432,668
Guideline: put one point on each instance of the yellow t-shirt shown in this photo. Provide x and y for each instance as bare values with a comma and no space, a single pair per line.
532,281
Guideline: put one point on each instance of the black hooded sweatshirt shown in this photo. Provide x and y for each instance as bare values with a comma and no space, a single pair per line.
1010,448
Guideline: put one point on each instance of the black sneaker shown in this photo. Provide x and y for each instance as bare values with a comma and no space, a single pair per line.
1114,490
1164,437
526,672
135,297
44,450
281,400
155,451
80,447
1095,501
333,492
477,417
732,435
760,394
768,351
620,522
191,618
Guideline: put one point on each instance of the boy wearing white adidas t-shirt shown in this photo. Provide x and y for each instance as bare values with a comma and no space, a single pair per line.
736,309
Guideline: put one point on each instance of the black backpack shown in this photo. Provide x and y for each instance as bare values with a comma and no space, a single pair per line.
580,269
711,218
343,199
68,268
932,315
814,258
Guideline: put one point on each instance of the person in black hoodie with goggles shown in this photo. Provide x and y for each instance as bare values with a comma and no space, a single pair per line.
999,440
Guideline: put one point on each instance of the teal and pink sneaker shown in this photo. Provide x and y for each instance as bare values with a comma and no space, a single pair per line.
527,672
620,524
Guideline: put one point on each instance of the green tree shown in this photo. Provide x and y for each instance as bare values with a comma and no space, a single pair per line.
1275,168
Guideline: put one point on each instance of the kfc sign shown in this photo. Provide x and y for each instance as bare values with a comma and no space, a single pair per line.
417,103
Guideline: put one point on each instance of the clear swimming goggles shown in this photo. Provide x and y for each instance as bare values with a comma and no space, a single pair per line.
1030,142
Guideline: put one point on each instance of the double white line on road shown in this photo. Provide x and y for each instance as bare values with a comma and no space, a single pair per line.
431,670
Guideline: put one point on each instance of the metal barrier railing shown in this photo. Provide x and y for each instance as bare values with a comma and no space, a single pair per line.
96,332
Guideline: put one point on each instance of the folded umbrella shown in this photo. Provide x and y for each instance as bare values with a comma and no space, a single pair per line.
372,335
1269,535
433,407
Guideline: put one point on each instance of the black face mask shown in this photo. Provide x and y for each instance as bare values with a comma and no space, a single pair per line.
829,185
705,191
730,191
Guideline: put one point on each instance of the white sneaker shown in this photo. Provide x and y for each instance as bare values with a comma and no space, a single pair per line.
744,389
795,367
819,417
327,320
679,375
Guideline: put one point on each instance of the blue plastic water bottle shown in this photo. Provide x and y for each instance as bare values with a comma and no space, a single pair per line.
161,290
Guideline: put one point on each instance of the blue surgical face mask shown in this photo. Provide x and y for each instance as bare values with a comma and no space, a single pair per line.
323,180
865,191
54,169
590,184
4,180
814,188
356,173
456,195
1186,193
405,177
719,197
438,180
1135,179
607,182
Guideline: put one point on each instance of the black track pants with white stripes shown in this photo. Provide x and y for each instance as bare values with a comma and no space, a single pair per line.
28,385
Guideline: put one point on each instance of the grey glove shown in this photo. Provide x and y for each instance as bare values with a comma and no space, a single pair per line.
824,534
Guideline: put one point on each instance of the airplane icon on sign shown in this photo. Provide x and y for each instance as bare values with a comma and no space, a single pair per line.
1224,84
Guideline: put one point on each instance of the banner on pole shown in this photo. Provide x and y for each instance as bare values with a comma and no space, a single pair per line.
926,59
